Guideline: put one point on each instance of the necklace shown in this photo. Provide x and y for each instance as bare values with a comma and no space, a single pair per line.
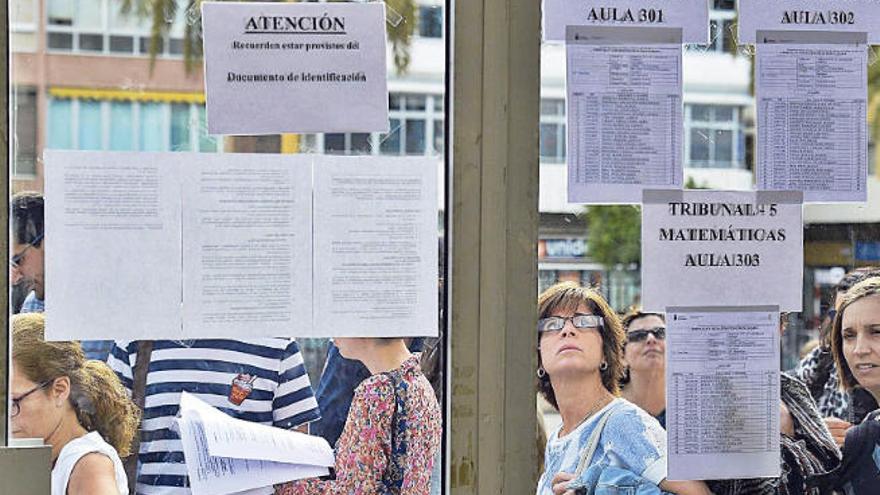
602,402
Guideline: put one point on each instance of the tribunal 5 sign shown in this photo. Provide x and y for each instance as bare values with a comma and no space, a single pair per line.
722,248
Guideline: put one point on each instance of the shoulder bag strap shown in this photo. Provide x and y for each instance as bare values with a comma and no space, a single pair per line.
139,384
593,442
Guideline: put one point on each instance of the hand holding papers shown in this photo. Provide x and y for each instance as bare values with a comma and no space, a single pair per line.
227,455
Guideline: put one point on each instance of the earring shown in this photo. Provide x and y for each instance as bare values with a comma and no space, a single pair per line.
541,372
603,366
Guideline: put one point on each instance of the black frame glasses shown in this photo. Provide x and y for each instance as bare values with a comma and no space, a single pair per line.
16,407
16,259
659,333
557,323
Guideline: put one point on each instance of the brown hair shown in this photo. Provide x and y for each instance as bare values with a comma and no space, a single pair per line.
568,296
865,288
100,401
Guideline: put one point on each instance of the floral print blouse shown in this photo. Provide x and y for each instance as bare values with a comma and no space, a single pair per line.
367,461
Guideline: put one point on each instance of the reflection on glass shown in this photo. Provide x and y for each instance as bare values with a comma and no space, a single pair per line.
180,127
415,136
151,127
121,126
60,117
391,141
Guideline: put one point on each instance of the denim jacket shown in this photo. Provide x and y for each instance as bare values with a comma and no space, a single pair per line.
609,480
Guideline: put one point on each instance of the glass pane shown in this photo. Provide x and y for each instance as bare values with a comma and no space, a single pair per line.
121,126
701,113
415,137
549,141
360,144
438,103
60,12
151,128
91,42
395,101
89,125
206,141
430,21
334,143
122,44
438,137
60,41
24,132
724,4
180,127
175,46
723,147
699,145
60,133
415,102
89,14
390,143
724,113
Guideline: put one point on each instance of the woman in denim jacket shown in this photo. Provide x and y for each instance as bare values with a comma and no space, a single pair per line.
580,347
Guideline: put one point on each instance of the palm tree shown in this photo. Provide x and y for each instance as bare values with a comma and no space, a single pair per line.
161,13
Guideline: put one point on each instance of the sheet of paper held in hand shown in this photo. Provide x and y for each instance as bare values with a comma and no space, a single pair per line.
113,216
247,244
710,248
722,393
692,16
624,112
812,122
815,16
375,247
206,434
295,67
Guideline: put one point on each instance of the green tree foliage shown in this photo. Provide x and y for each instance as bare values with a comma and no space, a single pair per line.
614,234
162,13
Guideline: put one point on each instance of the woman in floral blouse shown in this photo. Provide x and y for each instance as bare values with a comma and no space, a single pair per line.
393,428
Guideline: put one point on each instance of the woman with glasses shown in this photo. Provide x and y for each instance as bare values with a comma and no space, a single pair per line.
77,406
644,382
603,440
392,433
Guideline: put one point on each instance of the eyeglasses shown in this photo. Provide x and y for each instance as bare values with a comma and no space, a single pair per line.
659,333
557,323
16,407
16,259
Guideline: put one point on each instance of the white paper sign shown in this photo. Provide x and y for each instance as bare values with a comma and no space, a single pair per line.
295,67
713,248
111,218
376,247
692,16
624,113
852,16
812,122
722,393
197,245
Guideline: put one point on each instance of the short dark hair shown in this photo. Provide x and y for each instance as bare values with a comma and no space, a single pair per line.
26,211
569,295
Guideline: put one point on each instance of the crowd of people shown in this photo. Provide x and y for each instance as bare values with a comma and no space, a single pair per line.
110,421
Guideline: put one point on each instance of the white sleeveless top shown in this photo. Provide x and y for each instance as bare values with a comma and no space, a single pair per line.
74,451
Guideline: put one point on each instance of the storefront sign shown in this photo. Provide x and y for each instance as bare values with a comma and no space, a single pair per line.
851,16
275,68
690,15
722,248
562,248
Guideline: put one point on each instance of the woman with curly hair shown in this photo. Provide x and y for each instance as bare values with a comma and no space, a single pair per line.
77,406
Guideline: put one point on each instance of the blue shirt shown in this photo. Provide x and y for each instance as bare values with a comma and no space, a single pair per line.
32,304
260,380
632,440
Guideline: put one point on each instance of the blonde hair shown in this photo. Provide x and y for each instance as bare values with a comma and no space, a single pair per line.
97,396
568,296
865,288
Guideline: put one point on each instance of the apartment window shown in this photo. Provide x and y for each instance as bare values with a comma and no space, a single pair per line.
24,132
100,27
78,124
713,137
415,128
553,131
431,21
722,30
